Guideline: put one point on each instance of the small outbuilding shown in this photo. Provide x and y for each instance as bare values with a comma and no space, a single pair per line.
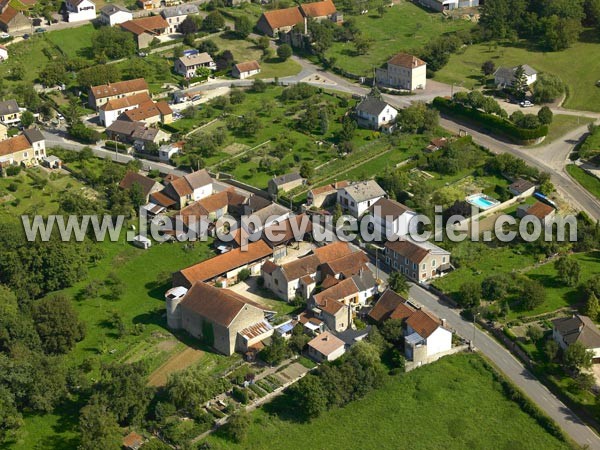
326,347
142,242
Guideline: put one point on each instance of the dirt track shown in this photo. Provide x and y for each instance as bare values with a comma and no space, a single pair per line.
175,363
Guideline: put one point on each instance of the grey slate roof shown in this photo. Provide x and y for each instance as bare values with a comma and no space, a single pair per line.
288,177
179,10
9,107
33,135
578,329
372,106
508,72
109,10
364,190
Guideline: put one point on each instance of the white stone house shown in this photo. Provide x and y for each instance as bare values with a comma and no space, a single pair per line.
391,218
78,10
245,69
3,53
326,347
114,15
357,198
577,328
425,337
177,14
403,71
373,113
505,76
187,65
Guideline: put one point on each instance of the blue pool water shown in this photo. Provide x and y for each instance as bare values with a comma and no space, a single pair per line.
481,201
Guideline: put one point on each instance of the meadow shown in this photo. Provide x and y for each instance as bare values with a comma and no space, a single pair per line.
455,403
589,182
404,27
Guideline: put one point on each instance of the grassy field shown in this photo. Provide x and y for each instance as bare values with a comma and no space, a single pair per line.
412,28
454,403
578,67
562,124
589,182
557,294
74,42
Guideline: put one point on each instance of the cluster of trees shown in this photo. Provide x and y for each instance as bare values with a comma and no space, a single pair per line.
325,33
458,155
418,118
112,43
436,53
553,25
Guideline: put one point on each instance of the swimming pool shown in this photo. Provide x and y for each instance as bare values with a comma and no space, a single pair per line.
482,201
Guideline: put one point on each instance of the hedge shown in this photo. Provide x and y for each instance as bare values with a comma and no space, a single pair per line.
493,123
169,128
111,145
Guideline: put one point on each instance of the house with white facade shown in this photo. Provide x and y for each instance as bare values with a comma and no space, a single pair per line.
419,261
357,198
27,149
326,347
447,5
425,337
166,152
111,110
374,113
3,53
403,71
187,65
577,328
114,14
505,76
245,69
10,113
391,218
177,14
78,10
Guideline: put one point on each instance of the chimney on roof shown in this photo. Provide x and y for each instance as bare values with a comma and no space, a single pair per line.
415,62
444,323
326,338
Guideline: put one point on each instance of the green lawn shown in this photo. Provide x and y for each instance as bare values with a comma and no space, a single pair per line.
455,403
563,124
557,294
578,67
74,42
404,27
589,182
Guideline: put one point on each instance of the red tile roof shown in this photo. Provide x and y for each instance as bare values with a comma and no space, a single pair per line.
332,251
120,88
540,210
247,66
131,178
212,268
148,24
13,145
8,15
406,60
326,343
423,323
287,17
318,9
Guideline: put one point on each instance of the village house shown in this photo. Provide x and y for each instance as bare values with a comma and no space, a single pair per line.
278,21
505,76
189,188
149,5
100,95
253,222
403,71
114,14
426,336
246,69
177,14
577,328
373,113
149,112
357,198
419,261
436,144
3,53
447,5
146,185
136,133
10,113
3,131
324,196
133,441
146,29
289,232
543,212
167,151
323,10
27,149
391,218
187,65
78,10
223,319
391,305
12,20
522,188
225,268
284,183
112,109
326,347
52,162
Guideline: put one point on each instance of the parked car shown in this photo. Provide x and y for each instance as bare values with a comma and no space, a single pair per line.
142,54
26,36
40,30
4,35
526,104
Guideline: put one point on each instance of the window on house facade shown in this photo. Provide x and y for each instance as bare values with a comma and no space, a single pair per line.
433,263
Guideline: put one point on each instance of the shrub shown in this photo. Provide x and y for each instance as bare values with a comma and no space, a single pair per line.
492,123
11,171
244,274
240,394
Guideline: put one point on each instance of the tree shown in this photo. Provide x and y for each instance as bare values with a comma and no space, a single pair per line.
534,333
547,88
224,60
263,43
17,72
362,44
392,331
99,428
559,33
113,43
519,86
27,119
57,324
495,287
275,353
568,270
309,396
306,170
488,68
348,129
213,22
551,349
243,26
10,417
209,47
100,74
576,357
470,294
284,51
236,428
54,73
192,387
188,26
398,283
258,86
592,307
533,294
545,115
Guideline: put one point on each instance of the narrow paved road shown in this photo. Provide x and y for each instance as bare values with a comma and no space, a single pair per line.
512,368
